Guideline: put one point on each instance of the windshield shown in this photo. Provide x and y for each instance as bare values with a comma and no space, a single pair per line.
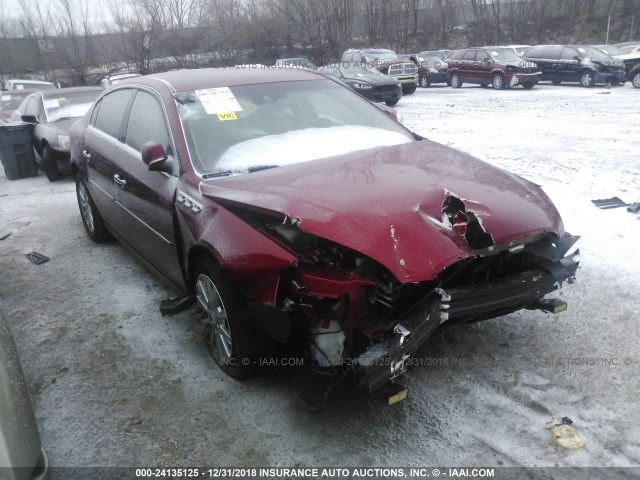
69,105
430,60
505,55
33,86
595,54
356,69
380,55
11,101
236,130
609,50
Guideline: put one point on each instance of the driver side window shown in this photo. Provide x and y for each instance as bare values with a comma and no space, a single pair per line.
146,122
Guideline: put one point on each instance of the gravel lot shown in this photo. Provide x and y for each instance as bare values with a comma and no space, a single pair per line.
116,384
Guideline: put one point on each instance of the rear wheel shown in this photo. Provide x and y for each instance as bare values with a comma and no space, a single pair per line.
91,218
231,340
635,80
497,82
455,80
528,86
556,82
424,81
409,90
587,79
391,103
49,165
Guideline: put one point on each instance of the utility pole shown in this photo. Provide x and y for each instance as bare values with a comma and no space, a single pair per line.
633,17
608,23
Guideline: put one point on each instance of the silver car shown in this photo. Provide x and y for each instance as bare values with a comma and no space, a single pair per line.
21,453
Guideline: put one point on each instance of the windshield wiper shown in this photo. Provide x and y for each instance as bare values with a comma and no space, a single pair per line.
224,173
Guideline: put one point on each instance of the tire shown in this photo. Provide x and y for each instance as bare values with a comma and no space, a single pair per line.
528,86
91,218
391,103
497,82
587,79
484,85
425,82
409,90
232,341
556,82
49,165
455,81
635,80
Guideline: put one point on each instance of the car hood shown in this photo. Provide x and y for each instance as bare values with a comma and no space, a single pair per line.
61,126
371,78
387,203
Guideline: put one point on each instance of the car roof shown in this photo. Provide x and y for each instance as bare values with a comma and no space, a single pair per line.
199,79
26,80
61,91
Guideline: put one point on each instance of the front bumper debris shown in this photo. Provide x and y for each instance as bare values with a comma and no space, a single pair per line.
391,357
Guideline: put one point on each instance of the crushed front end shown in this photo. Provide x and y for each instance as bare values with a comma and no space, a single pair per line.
356,317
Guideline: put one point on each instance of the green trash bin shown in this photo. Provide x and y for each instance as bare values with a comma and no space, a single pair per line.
16,151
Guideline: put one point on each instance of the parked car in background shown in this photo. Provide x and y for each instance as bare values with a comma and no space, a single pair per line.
9,101
292,209
498,67
631,47
609,50
443,54
367,81
17,84
576,63
107,81
631,64
431,69
295,62
21,454
52,112
388,62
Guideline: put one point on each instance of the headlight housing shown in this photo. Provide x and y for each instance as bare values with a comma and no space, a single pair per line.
63,142
362,85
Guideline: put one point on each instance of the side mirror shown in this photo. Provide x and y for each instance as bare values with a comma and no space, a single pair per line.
576,57
487,59
29,119
154,156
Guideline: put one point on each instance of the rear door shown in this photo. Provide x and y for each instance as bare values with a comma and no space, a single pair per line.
146,199
469,67
102,144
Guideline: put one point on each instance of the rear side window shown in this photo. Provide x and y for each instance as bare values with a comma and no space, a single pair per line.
111,113
146,122
551,53
533,52
470,55
457,55
568,54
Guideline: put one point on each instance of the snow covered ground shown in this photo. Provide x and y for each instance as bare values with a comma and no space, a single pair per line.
115,384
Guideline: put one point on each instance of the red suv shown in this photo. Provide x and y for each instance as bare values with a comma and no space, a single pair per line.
498,67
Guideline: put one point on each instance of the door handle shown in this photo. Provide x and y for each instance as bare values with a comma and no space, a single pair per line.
86,154
119,180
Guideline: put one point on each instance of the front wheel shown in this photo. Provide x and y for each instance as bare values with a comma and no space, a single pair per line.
455,80
49,165
424,81
635,80
587,79
408,91
391,103
556,82
528,86
231,340
91,218
497,82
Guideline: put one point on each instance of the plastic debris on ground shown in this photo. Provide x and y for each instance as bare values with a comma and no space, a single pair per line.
564,434
37,258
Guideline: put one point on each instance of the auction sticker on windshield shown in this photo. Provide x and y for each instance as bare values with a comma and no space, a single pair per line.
218,100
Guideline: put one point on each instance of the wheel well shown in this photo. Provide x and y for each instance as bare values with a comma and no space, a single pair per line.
196,254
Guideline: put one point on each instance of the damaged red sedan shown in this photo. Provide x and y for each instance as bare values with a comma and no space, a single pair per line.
288,206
